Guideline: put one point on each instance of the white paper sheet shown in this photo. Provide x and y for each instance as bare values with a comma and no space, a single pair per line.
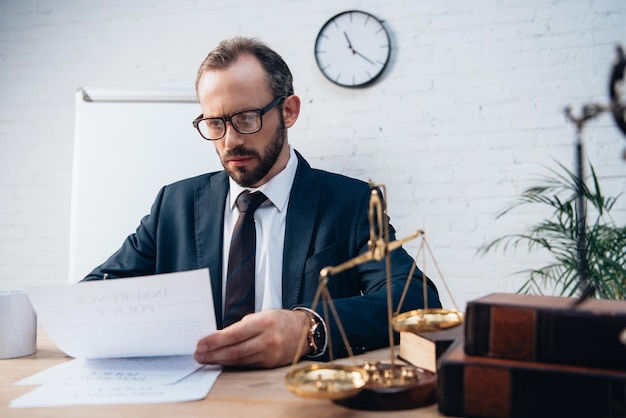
194,387
155,370
132,340
158,315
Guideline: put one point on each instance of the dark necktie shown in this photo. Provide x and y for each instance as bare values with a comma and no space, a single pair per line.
239,299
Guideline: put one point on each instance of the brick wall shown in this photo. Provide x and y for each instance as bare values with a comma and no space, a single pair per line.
469,110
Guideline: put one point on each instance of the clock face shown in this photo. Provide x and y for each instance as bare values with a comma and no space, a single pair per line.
352,49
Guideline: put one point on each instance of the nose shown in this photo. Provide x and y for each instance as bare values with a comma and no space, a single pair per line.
232,138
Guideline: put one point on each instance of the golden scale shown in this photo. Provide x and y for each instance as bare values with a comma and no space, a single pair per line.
374,385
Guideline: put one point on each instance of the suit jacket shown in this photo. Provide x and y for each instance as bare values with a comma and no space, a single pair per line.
326,225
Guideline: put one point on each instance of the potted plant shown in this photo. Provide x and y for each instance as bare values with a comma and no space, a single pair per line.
559,236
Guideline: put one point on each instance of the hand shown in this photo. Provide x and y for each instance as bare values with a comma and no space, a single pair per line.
263,340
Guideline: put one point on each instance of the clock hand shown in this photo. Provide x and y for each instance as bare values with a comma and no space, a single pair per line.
355,52
349,43
363,56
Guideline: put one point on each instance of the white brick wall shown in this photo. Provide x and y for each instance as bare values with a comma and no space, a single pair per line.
470,108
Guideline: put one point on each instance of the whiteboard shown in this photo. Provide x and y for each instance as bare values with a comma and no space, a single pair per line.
127,145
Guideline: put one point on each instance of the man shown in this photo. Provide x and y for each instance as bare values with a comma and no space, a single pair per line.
310,220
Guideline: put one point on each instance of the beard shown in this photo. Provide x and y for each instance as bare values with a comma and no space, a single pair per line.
248,178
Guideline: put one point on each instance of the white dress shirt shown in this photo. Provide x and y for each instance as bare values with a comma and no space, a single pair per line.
270,220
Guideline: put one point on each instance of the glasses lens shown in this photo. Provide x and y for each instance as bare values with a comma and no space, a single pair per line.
247,122
211,128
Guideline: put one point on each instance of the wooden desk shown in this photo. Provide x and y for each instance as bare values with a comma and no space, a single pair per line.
246,394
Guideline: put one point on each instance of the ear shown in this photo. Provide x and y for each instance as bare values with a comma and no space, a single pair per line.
291,110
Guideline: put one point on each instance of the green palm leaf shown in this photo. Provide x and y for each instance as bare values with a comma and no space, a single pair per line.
558,236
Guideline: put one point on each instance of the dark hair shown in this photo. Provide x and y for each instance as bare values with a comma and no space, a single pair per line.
228,51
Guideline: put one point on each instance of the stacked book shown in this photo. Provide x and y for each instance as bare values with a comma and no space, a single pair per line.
536,356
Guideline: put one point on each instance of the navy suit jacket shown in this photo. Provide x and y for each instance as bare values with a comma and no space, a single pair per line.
326,225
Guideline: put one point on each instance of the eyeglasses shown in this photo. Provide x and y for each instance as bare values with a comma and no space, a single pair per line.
246,122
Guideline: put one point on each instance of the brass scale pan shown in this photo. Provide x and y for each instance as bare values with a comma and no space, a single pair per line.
337,382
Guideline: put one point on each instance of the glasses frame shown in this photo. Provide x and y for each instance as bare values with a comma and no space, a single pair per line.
225,119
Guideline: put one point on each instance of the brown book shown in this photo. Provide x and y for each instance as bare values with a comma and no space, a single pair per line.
494,387
424,348
547,329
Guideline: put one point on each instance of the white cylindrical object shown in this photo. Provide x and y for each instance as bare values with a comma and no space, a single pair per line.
18,325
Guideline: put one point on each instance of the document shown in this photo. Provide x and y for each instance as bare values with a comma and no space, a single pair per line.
194,387
132,340
160,315
156,370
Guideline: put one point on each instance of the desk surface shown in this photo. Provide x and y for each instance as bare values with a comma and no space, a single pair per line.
235,394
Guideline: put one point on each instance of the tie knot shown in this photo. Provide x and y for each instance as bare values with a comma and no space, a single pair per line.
249,202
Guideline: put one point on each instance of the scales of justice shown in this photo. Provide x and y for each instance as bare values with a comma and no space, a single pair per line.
374,385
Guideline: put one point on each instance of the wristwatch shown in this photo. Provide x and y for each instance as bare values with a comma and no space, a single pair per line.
316,335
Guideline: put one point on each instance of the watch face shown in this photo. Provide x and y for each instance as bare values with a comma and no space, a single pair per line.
352,49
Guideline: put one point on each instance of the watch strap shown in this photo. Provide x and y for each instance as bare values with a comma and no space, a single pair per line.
316,334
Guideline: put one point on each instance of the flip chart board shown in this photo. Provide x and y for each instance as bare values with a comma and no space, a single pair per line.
127,145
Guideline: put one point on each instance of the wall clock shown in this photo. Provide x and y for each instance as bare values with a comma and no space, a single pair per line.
353,48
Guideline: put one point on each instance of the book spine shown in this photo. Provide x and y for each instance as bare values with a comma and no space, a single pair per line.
477,318
482,390
545,335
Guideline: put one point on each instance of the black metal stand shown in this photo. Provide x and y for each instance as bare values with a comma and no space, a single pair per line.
586,288
590,111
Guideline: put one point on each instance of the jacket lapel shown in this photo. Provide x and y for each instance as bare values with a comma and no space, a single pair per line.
209,201
301,214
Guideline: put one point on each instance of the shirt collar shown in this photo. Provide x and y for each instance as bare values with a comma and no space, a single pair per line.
277,189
